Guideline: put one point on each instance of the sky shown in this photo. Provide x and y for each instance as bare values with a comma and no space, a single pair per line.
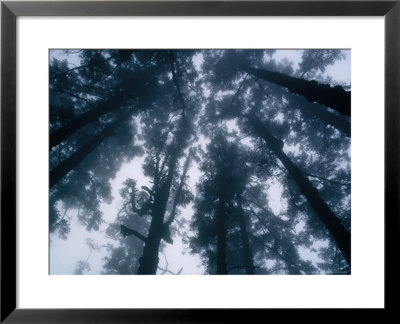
64,254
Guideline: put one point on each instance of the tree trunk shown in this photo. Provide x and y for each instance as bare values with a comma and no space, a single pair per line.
336,98
114,103
326,215
221,236
248,254
149,259
71,162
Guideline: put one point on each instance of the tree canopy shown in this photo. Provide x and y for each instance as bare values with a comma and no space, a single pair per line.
236,158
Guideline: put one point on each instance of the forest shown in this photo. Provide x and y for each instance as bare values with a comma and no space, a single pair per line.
200,161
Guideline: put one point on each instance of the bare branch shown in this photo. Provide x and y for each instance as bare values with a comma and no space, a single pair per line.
164,270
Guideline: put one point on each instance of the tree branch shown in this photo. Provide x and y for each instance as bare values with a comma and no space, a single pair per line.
82,66
234,97
125,231
72,95
166,267
148,190
346,184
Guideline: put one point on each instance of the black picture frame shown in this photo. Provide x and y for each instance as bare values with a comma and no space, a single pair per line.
10,10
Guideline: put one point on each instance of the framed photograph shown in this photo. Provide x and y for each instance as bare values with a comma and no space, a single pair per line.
183,161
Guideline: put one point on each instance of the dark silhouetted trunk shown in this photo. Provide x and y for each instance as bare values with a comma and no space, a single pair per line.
221,235
114,103
71,162
248,254
334,97
148,263
326,215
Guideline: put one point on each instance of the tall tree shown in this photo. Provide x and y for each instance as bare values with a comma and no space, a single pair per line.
219,214
162,167
333,224
149,259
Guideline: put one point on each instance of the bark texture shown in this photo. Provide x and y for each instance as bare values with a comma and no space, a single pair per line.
334,97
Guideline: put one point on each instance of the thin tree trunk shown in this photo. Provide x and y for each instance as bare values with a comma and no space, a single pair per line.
71,162
326,215
247,252
221,236
334,97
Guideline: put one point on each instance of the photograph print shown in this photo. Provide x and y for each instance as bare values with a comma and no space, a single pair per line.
199,161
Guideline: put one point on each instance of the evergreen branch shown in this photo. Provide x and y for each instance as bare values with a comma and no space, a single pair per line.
82,66
72,95
270,248
234,97
346,184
